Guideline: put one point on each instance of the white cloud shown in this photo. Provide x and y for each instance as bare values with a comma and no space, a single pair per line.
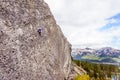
81,19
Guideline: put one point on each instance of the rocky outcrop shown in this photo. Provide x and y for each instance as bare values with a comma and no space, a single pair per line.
24,53
75,71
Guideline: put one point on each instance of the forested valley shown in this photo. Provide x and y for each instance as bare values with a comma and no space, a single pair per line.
98,71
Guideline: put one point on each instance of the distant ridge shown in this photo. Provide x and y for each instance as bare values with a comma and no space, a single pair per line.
101,55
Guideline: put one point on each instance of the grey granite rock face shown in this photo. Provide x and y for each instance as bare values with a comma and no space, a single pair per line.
26,55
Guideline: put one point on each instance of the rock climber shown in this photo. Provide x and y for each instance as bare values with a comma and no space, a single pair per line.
40,31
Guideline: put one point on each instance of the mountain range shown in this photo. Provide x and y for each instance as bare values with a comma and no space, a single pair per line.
105,55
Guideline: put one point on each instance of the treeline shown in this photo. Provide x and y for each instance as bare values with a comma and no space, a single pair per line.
98,71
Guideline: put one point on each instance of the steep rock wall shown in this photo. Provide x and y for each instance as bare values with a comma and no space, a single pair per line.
24,54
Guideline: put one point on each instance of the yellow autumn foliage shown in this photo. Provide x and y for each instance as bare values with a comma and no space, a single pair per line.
82,77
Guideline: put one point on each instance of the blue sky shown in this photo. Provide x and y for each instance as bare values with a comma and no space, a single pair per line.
88,23
113,25
113,22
